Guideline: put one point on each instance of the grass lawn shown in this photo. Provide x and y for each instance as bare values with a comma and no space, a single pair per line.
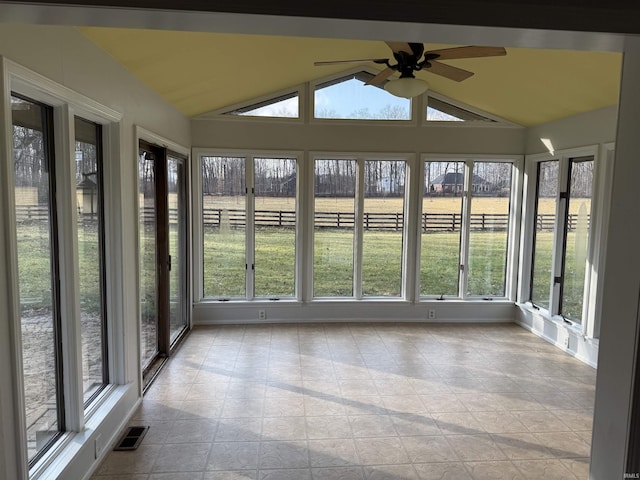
224,261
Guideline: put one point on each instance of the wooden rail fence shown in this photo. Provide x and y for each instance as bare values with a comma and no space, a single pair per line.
430,222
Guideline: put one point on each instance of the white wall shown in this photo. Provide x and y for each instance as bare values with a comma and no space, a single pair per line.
63,55
590,128
256,134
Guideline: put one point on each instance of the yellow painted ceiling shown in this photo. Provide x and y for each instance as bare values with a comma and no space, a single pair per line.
201,72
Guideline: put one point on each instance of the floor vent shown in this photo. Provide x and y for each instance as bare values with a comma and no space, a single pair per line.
131,438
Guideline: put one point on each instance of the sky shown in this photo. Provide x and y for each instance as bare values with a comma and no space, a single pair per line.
342,100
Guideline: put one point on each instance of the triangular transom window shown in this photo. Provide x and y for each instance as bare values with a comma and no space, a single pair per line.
282,106
441,111
349,98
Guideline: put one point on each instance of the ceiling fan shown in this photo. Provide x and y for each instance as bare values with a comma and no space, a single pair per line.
411,57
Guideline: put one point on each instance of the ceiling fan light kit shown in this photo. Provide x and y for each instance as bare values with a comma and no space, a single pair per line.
406,87
411,57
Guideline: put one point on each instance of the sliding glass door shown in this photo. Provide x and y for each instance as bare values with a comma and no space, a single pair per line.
163,243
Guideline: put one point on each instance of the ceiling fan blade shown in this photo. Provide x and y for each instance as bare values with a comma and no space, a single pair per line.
336,62
381,77
468,52
448,71
400,47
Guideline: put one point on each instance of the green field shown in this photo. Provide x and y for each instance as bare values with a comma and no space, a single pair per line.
224,261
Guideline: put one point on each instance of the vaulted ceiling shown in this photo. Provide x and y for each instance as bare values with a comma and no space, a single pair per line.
201,72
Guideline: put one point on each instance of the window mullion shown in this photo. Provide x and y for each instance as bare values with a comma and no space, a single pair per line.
69,269
412,212
358,231
250,228
560,236
464,237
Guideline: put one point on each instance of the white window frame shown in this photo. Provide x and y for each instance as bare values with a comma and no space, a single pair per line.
513,233
66,105
603,173
498,122
417,103
223,113
198,247
409,225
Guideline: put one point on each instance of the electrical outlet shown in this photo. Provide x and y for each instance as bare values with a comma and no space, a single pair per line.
99,446
262,314
432,314
566,341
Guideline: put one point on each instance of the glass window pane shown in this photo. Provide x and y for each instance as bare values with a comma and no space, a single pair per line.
441,111
335,187
90,254
177,201
350,98
36,273
148,236
440,227
383,222
545,220
489,228
223,225
285,106
275,226
575,260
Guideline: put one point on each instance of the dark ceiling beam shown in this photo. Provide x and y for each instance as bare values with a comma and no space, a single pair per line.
616,16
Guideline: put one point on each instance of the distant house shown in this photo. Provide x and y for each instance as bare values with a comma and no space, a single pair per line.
453,182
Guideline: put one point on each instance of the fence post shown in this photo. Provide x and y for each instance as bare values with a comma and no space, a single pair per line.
338,219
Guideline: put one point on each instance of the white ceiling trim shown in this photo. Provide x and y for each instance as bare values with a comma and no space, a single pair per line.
309,27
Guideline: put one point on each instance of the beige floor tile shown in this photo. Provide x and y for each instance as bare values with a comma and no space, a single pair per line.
284,428
333,452
182,457
284,454
521,446
233,456
285,474
177,476
493,471
425,449
390,472
475,447
500,422
231,475
320,406
363,401
372,426
381,451
239,430
564,444
543,469
456,423
442,471
541,421
138,461
415,424
192,431
399,404
337,473
364,405
284,407
576,420
578,466
328,426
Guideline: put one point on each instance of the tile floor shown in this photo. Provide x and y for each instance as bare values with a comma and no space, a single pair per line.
363,402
